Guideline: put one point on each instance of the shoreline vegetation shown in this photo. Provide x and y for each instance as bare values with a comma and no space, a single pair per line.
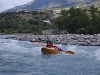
73,20
65,39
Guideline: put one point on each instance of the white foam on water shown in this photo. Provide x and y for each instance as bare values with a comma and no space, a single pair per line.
14,46
97,54
36,51
78,50
73,48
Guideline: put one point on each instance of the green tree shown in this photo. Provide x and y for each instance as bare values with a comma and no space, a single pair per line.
72,20
94,18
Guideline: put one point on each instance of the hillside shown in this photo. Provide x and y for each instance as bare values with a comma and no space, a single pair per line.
24,22
74,20
51,4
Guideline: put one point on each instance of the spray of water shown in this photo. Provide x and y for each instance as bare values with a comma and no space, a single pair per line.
97,54
28,47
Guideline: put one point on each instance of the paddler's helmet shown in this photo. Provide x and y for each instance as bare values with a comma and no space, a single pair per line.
48,40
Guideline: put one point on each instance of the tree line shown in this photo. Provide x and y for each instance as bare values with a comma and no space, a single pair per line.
74,21
79,21
23,22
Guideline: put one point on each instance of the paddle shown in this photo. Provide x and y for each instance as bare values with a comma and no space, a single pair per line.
38,43
68,51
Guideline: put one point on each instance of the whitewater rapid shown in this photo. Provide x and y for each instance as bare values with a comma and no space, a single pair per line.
25,58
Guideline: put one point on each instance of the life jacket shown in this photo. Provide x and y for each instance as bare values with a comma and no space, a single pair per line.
49,45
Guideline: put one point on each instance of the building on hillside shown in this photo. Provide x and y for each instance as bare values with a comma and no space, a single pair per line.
47,21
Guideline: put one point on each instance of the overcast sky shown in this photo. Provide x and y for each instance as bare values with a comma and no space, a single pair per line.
6,4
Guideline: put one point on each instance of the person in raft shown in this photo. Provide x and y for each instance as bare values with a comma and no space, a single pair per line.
50,44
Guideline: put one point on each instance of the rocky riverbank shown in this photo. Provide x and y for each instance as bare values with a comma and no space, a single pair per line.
68,39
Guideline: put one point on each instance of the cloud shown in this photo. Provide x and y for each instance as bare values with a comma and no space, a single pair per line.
7,4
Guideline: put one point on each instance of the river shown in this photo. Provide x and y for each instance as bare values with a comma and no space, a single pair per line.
25,58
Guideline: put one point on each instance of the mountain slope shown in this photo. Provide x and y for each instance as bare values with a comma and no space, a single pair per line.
40,4
49,4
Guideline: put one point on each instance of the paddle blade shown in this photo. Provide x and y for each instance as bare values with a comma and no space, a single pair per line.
38,43
35,42
70,52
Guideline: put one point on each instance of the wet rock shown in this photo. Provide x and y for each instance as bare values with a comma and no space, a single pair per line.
67,39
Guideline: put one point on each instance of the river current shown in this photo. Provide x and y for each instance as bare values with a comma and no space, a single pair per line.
25,58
